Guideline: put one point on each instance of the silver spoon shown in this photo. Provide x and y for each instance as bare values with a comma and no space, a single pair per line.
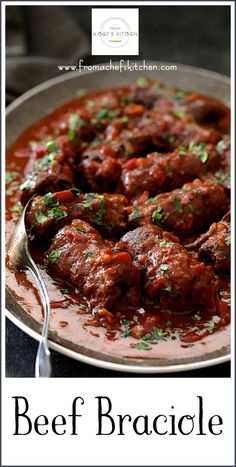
20,257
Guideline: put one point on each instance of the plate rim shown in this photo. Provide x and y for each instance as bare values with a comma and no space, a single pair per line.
97,362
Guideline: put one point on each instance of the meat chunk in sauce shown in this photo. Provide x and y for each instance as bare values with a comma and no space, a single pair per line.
47,214
183,211
102,271
50,168
214,246
171,275
158,172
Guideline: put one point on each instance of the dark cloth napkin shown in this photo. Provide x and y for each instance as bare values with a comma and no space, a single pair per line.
38,39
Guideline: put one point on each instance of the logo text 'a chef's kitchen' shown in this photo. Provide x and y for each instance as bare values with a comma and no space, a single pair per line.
115,31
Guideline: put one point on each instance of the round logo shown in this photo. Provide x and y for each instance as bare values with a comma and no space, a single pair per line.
115,32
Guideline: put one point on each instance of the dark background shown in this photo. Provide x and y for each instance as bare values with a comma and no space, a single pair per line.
39,38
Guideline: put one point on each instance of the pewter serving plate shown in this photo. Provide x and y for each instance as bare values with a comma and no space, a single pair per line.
43,99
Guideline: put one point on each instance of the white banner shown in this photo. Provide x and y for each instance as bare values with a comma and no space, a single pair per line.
129,421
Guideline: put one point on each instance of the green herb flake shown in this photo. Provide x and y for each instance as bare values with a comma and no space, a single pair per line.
196,317
141,346
168,323
180,114
156,335
167,244
40,217
222,177
73,269
157,215
88,254
9,192
179,95
164,269
191,208
135,214
53,256
124,119
142,82
228,240
64,291
209,329
81,92
57,212
26,185
83,306
45,162
151,200
51,145
90,104
125,333
222,144
168,288
10,176
177,205
17,208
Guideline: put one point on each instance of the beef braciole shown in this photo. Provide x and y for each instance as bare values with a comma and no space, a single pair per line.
170,273
101,270
49,213
185,210
129,186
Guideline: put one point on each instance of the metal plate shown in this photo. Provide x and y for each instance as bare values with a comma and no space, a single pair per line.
41,100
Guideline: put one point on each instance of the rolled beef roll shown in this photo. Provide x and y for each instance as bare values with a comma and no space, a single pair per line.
99,269
171,275
158,172
183,211
49,213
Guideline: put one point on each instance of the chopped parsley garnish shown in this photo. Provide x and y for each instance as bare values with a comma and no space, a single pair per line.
125,333
81,92
197,317
135,214
228,240
40,217
107,113
26,185
51,145
199,151
45,162
83,306
168,288
124,119
222,144
180,114
10,176
53,256
64,291
157,215
151,200
115,248
79,229
88,254
141,346
90,103
167,244
125,100
75,123
191,208
168,323
48,199
156,335
209,329
164,269
73,269
17,208
57,212
142,82
222,177
177,205
179,95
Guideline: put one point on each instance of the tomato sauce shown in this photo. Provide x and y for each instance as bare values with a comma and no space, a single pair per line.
143,332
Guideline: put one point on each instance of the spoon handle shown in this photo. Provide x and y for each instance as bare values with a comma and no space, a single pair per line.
42,362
